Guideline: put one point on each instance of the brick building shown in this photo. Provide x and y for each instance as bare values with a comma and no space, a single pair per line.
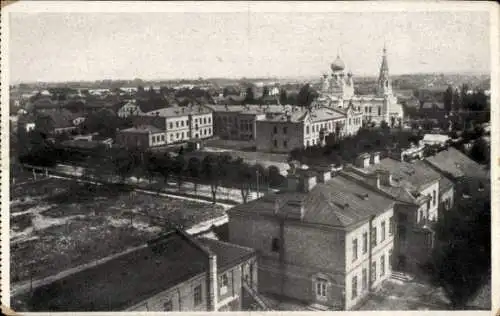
176,272
301,127
324,242
415,187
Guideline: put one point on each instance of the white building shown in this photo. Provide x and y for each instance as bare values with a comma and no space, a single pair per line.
337,90
302,127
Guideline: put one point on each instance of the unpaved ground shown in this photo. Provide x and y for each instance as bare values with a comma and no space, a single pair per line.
58,224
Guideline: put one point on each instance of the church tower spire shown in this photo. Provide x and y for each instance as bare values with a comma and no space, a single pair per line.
384,82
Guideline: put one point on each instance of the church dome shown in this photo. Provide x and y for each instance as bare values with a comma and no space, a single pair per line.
337,65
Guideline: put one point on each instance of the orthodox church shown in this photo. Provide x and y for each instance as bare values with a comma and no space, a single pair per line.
337,91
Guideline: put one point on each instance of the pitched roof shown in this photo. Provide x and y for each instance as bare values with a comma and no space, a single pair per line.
415,173
228,255
456,164
179,111
125,280
338,202
144,129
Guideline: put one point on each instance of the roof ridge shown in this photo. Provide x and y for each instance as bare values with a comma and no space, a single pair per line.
226,243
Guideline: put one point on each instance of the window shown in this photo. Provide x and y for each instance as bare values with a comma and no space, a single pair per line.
389,260
275,143
204,120
285,143
382,232
170,125
275,247
162,138
354,249
350,121
321,287
421,215
391,226
177,135
196,120
364,279
275,130
365,242
307,143
177,124
379,111
197,295
382,265
374,236
354,287
434,195
182,123
374,271
209,120
224,283
284,130
307,130
167,306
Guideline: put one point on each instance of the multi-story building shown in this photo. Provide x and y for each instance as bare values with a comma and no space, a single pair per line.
416,189
238,122
324,241
302,127
141,137
176,272
337,90
182,123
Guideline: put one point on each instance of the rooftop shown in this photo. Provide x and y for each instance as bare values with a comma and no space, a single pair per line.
125,280
456,164
228,255
416,173
145,129
179,111
338,202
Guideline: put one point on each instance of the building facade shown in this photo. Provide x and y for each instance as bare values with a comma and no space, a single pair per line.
131,108
175,272
141,137
300,128
183,123
325,242
337,90
416,190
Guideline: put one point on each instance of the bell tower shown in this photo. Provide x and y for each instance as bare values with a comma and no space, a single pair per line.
384,82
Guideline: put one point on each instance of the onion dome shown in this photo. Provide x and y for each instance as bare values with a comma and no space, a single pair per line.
338,64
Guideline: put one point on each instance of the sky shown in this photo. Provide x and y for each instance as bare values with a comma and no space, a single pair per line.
96,46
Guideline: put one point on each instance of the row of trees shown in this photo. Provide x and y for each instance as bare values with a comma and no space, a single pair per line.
348,148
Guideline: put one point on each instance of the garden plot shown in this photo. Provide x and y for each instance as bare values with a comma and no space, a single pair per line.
62,224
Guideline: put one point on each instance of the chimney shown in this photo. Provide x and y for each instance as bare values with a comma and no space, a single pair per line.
385,177
324,174
212,279
300,178
362,161
375,158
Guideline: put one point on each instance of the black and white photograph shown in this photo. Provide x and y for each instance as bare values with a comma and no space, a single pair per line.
249,156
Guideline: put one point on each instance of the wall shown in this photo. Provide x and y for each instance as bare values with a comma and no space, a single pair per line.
364,260
201,125
434,206
308,250
181,296
177,129
133,140
265,136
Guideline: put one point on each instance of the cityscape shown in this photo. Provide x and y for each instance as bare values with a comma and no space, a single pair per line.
307,182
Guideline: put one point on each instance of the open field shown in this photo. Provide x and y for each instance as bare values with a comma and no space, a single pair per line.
59,224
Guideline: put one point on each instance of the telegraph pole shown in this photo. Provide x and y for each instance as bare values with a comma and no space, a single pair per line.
257,172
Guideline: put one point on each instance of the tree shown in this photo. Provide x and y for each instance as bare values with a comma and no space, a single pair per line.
283,97
393,121
448,99
384,125
249,97
306,96
242,177
194,170
165,167
124,163
480,151
461,259
178,165
210,172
